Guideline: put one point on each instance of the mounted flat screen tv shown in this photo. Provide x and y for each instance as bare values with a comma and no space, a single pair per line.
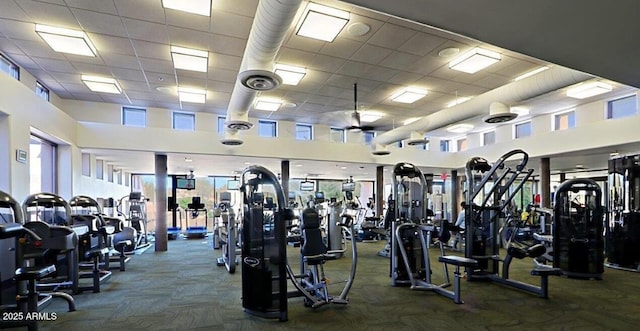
307,186
348,187
185,183
233,185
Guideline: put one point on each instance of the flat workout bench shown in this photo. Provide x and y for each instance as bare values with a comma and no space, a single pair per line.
544,274
457,261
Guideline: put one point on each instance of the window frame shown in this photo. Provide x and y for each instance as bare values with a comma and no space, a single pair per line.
42,91
462,141
445,145
556,117
306,126
191,116
368,133
134,109
609,110
342,133
274,131
517,125
484,137
221,125
14,69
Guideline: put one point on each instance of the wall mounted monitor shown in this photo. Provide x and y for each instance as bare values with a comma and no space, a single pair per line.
185,183
348,187
307,186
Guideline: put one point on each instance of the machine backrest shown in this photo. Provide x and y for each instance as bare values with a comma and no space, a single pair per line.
54,217
311,233
195,204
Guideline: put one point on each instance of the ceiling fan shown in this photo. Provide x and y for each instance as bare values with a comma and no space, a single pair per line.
354,119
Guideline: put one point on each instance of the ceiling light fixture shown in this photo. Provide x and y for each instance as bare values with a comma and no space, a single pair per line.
458,101
585,90
460,128
291,75
474,60
409,95
66,40
200,7
531,73
192,95
189,59
101,84
370,116
268,104
322,22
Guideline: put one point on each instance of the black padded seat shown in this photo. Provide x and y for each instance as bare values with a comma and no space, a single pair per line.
34,272
313,250
542,271
458,260
96,252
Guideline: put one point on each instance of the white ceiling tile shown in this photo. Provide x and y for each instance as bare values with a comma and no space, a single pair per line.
491,81
304,43
12,11
54,65
108,44
225,62
355,69
231,24
192,82
342,48
220,86
371,54
138,95
391,36
244,8
23,61
19,30
65,77
152,50
374,25
156,65
222,75
75,88
294,56
9,48
188,38
147,10
92,69
316,76
122,61
227,45
160,78
50,14
100,23
129,85
421,44
404,78
117,99
187,20
106,7
83,59
147,31
128,74
192,74
380,74
326,63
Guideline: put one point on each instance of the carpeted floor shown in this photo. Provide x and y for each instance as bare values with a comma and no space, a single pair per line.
183,289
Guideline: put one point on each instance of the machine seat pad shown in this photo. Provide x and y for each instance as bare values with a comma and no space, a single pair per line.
458,260
123,243
34,272
96,252
318,259
542,271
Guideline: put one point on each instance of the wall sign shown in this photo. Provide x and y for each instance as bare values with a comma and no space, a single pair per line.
21,156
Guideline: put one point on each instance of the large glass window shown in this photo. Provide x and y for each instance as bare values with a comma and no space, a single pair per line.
9,67
304,132
489,138
565,120
622,107
184,121
267,128
522,130
337,135
42,165
110,173
42,91
221,120
134,116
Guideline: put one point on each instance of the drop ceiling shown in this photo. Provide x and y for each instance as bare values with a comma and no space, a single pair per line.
133,40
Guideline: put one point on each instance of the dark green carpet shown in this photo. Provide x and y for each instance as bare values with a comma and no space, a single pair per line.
183,289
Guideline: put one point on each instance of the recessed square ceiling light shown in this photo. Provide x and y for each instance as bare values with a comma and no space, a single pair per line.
585,90
370,116
189,59
322,22
531,73
101,84
460,128
409,95
268,104
66,40
474,60
291,75
200,7
458,101
192,95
